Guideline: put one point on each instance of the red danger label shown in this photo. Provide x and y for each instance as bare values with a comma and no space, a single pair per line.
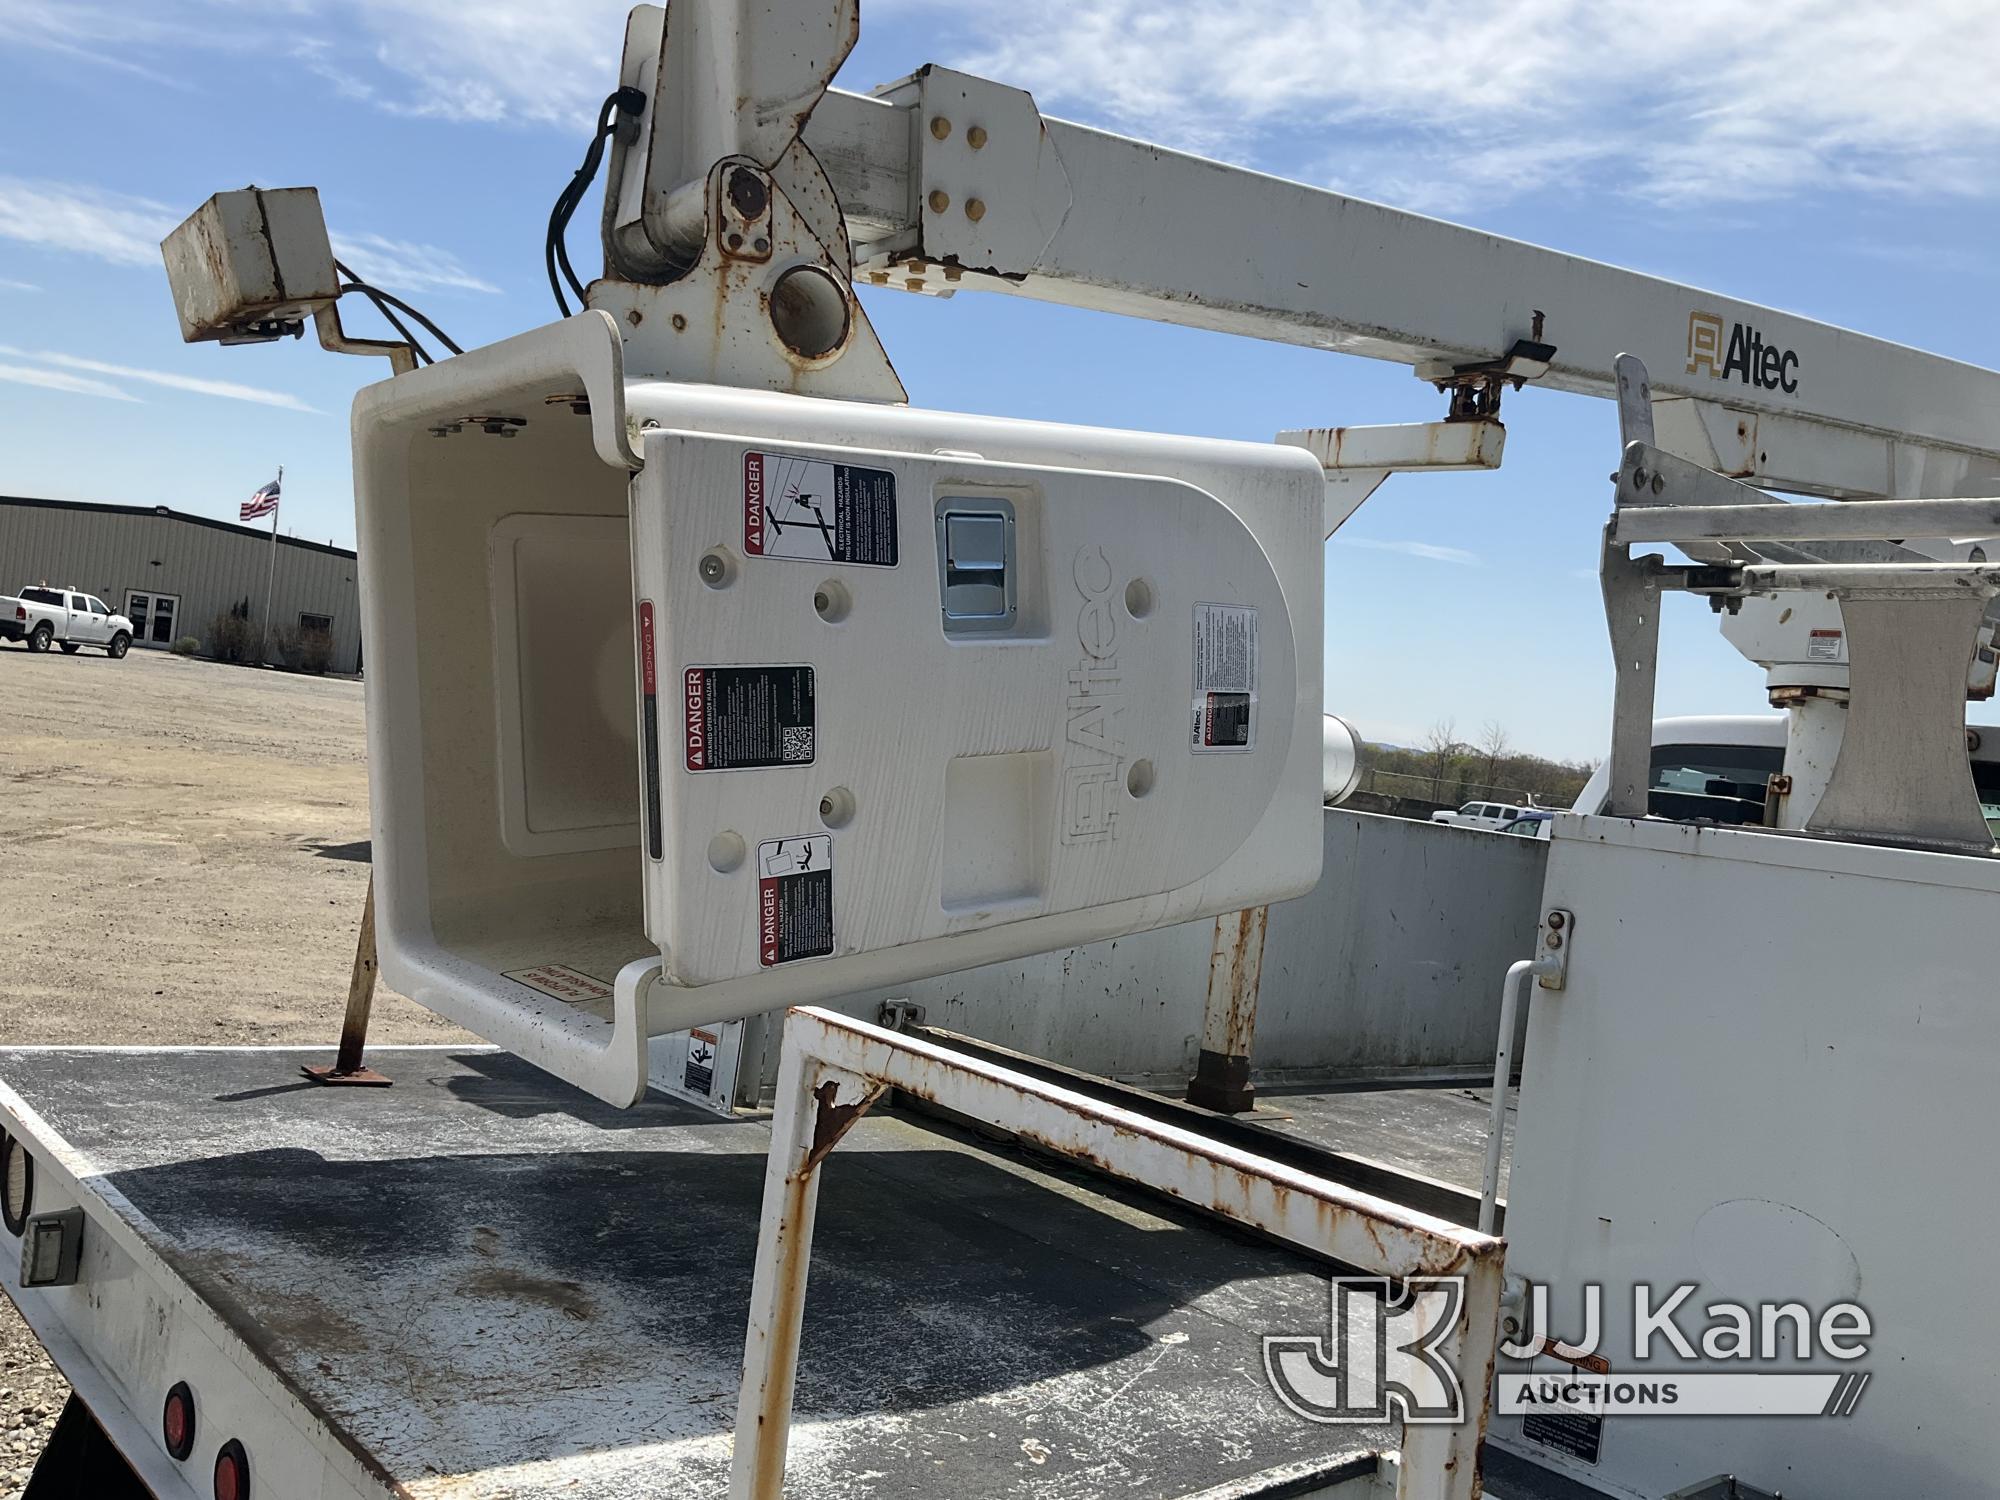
794,899
748,718
695,692
753,504
815,510
767,922
648,674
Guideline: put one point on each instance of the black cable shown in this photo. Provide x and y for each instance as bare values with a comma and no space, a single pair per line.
555,248
423,355
385,301
394,301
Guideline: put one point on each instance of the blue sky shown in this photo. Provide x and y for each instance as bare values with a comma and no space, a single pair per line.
1833,159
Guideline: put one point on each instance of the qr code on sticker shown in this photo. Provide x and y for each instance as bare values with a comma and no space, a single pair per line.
798,743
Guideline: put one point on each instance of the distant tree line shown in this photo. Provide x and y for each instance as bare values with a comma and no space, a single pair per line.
1450,771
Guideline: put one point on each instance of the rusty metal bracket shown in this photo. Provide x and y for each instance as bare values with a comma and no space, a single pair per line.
832,1119
334,339
1221,1079
834,1066
347,1066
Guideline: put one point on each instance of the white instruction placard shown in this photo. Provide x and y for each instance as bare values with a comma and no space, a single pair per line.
1224,713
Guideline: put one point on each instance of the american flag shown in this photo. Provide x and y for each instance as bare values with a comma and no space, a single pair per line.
262,503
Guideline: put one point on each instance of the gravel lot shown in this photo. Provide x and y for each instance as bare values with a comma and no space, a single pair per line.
185,847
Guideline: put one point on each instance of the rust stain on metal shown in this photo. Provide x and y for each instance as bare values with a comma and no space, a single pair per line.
1234,967
1402,1248
1596,1364
832,1120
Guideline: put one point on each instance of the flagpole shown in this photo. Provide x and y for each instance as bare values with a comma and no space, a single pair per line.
271,574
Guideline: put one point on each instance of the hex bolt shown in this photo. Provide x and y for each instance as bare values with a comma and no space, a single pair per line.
975,209
1556,920
1659,481
940,200
1554,940
940,126
976,137
1638,479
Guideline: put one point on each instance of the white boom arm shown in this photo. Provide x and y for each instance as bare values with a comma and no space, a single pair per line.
946,181
1080,216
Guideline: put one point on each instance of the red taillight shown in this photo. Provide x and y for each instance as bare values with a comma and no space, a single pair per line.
20,611
232,1472
177,1421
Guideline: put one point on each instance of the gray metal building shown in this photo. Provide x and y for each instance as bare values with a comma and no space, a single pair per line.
174,573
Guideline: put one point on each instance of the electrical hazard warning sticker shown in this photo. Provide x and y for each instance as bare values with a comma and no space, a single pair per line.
794,899
1225,678
748,718
814,510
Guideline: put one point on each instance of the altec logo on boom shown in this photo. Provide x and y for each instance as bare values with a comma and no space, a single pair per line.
1742,355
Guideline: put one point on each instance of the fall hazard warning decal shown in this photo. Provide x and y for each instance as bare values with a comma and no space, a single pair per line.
1225,678
813,510
794,899
748,718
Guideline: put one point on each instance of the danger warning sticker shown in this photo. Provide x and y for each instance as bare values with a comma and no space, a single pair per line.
794,899
1824,645
747,718
1225,678
816,511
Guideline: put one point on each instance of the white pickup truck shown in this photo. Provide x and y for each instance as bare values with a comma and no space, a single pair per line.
44,616
1491,816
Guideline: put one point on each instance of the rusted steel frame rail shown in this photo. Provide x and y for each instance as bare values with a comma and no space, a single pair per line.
833,1068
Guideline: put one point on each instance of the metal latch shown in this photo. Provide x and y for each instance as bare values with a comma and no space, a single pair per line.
977,582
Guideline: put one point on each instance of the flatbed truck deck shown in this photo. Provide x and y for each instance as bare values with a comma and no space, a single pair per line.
482,1283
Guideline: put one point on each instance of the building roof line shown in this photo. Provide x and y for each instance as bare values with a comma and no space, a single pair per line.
253,532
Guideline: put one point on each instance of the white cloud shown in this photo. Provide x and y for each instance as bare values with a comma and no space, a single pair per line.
196,385
1446,105
1426,103
8,284
100,35
504,60
108,226
126,230
521,60
1428,551
56,380
399,266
